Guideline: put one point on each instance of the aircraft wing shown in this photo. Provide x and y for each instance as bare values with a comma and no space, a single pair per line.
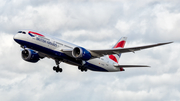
102,52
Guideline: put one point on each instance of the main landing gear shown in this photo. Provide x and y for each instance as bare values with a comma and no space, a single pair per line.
57,68
82,68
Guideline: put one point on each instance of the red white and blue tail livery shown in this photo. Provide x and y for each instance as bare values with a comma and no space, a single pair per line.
119,44
37,46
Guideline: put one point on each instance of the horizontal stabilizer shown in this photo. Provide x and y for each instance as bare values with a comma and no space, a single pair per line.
129,66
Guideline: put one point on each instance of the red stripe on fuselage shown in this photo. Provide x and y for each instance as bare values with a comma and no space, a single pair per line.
36,33
120,44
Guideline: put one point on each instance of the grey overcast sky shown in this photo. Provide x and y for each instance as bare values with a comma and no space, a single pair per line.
93,24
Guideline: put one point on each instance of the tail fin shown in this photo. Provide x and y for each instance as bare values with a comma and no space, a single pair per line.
119,44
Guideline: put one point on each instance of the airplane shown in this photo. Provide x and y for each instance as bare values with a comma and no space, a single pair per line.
37,46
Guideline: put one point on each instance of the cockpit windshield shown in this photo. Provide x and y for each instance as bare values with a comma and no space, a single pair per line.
22,32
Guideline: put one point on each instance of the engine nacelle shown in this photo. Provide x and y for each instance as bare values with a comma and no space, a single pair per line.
30,55
81,53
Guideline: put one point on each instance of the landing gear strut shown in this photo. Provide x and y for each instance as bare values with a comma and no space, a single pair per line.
57,68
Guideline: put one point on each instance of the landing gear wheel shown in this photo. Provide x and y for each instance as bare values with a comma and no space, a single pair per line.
54,68
57,69
60,70
85,69
82,68
79,67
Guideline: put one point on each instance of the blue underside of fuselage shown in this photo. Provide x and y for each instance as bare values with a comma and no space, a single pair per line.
58,55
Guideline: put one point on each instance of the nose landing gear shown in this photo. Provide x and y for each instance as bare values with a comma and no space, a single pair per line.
57,68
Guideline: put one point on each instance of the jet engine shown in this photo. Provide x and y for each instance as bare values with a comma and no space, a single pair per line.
81,53
30,55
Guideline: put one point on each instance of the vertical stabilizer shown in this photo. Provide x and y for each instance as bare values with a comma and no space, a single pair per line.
119,44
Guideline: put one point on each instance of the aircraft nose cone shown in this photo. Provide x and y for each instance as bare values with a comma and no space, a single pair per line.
15,37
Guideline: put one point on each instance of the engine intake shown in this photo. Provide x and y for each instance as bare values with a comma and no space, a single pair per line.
30,55
81,53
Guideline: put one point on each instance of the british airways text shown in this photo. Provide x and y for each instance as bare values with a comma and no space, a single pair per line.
46,41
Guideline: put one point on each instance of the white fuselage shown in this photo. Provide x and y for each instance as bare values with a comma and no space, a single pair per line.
40,43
